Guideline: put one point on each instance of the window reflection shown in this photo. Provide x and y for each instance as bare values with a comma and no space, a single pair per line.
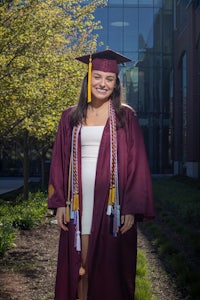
102,15
115,2
116,27
146,3
145,28
131,31
131,2
142,30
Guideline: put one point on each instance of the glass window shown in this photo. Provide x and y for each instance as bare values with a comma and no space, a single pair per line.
145,3
131,2
157,30
131,30
142,31
129,80
181,16
132,55
116,28
145,28
102,15
167,4
167,31
158,3
118,2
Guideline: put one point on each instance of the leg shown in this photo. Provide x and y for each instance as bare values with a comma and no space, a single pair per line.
83,283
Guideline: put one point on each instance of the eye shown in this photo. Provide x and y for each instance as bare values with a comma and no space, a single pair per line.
110,79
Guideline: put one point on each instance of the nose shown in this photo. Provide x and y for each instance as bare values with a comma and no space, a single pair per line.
102,82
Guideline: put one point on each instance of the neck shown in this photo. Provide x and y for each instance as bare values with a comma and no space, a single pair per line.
96,104
98,108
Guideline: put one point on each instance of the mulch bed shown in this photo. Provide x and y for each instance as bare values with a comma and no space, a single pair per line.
27,272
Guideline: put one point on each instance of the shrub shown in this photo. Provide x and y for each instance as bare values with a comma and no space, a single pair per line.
27,214
24,215
6,237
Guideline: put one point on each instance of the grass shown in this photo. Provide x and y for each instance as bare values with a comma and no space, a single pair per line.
143,285
179,197
175,233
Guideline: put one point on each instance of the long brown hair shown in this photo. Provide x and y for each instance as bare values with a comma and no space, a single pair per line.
78,114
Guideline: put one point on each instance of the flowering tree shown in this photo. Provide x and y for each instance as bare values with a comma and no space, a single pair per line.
39,76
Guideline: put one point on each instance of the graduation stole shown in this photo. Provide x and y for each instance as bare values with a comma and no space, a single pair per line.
72,204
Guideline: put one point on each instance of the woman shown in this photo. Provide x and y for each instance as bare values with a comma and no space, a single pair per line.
99,187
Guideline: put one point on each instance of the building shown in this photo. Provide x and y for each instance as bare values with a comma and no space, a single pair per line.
143,31
163,82
187,88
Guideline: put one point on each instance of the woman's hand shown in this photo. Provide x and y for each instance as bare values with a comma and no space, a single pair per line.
61,219
127,222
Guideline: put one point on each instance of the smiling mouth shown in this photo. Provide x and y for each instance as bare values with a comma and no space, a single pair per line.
101,90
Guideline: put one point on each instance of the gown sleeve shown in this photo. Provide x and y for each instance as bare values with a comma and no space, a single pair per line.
58,177
138,196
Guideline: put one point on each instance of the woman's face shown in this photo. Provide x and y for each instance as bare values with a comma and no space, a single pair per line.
103,84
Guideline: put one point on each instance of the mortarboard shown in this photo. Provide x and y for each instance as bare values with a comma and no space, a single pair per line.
106,61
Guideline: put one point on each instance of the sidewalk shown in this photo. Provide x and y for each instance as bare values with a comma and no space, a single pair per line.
8,184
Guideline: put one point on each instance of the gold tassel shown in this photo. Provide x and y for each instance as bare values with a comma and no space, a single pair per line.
89,79
76,202
111,197
68,202
81,271
67,213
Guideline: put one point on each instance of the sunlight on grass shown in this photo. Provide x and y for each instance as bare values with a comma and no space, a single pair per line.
143,286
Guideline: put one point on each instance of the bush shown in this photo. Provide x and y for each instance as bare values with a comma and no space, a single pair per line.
24,215
27,214
7,237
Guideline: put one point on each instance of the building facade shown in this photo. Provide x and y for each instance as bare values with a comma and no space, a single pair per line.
187,88
162,83
143,31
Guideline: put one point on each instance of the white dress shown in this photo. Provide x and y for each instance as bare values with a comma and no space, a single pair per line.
90,142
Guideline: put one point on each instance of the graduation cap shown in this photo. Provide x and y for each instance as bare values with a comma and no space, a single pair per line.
105,61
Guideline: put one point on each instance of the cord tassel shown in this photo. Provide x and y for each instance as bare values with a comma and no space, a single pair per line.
67,213
111,197
89,79
75,202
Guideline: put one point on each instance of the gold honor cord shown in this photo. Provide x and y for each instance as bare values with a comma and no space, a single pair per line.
89,79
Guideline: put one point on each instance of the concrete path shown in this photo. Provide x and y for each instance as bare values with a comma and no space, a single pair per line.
8,184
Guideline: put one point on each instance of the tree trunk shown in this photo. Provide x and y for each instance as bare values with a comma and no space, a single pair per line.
43,177
26,165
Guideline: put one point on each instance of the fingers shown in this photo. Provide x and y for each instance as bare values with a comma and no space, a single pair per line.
127,224
60,217
122,219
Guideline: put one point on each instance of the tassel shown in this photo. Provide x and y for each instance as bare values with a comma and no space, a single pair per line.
111,197
81,271
78,240
109,210
89,79
75,202
67,213
118,215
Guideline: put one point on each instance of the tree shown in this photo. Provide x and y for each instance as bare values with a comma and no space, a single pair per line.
39,75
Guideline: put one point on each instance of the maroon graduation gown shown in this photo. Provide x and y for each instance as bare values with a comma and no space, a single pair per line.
111,260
